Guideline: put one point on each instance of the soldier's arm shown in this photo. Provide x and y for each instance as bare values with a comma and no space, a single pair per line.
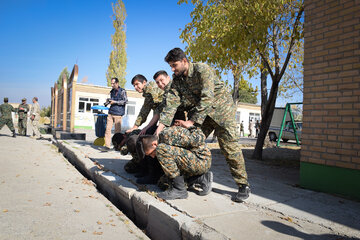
171,102
144,111
208,77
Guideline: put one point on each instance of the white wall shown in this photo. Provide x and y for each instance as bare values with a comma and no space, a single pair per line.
87,118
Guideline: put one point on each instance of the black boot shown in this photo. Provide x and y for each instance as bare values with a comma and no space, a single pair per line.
243,193
154,172
203,181
14,134
178,190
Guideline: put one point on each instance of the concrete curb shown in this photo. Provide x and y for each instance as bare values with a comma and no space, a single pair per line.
157,218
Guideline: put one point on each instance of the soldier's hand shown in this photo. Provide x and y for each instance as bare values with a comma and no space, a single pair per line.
184,124
143,131
131,129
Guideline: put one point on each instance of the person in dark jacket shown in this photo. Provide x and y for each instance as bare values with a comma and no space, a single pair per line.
117,101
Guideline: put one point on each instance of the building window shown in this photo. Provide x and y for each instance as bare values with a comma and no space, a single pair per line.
130,108
85,104
254,116
237,117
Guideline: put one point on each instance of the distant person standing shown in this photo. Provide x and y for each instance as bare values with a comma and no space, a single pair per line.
6,118
22,111
35,117
117,101
257,128
242,133
251,128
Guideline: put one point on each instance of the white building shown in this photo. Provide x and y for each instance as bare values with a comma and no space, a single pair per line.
87,96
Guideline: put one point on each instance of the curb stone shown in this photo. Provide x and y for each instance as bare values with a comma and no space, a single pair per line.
158,218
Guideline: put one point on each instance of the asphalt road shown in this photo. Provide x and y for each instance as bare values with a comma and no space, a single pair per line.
42,196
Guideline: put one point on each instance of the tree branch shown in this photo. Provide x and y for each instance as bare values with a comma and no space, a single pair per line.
292,41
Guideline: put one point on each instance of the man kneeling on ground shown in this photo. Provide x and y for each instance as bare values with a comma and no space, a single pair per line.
181,152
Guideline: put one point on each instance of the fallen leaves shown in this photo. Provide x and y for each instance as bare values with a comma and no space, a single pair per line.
87,182
76,210
5,210
289,219
47,204
97,233
98,222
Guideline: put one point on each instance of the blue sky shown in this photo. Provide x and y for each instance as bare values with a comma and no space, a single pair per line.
41,37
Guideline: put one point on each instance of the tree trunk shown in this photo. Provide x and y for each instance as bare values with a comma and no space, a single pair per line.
266,120
264,94
235,95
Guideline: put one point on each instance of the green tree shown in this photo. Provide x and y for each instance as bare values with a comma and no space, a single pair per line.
45,111
246,92
60,78
118,59
257,35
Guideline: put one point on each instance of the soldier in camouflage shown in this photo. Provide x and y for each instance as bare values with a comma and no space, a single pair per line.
153,96
198,90
22,111
35,117
6,118
183,155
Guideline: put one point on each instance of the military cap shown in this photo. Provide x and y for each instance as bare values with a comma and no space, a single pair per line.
6,99
24,99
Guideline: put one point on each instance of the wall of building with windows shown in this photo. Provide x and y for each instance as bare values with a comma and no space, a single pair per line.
91,95
246,112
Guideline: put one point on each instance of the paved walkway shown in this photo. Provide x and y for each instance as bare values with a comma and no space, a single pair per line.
42,196
276,209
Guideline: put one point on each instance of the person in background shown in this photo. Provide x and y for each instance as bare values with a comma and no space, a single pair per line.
35,117
6,118
22,112
242,133
117,101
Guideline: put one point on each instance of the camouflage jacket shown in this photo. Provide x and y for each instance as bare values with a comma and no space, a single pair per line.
192,139
153,97
201,94
35,110
6,110
22,111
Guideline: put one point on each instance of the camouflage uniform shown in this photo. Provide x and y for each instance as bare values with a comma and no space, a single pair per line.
6,117
183,151
210,106
153,98
22,122
35,111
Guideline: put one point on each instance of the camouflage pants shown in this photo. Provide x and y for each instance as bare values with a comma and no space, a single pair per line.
35,127
230,148
8,123
22,124
176,161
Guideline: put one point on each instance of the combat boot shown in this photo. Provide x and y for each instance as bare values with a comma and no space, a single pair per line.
204,181
14,134
178,190
243,193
